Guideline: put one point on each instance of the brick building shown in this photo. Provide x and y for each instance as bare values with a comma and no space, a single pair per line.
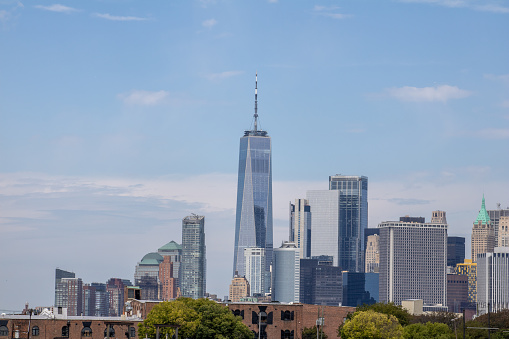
279,320
61,327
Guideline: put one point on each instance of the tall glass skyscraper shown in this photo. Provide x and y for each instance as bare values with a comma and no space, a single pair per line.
339,217
353,219
253,226
194,264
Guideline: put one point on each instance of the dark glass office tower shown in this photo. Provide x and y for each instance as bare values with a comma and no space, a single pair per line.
353,219
253,226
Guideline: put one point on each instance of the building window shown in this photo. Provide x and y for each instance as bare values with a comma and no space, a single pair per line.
35,331
111,334
286,334
132,332
4,331
86,332
65,331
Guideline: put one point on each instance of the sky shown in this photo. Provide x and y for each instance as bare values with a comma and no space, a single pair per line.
120,118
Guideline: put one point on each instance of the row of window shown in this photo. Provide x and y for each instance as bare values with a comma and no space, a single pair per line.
86,332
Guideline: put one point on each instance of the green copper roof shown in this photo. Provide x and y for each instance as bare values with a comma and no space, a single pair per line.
483,215
171,246
151,259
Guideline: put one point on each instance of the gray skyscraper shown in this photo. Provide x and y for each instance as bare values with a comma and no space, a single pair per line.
353,219
253,226
193,265
413,261
286,273
300,226
493,280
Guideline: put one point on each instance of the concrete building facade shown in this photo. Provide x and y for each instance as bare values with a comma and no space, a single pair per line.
413,261
493,280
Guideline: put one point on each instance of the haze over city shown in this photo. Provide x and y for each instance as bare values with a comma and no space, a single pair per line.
118,119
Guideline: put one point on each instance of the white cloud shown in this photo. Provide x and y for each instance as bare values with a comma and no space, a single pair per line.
209,23
272,1
499,77
147,98
494,133
330,11
223,75
485,6
440,93
118,18
57,8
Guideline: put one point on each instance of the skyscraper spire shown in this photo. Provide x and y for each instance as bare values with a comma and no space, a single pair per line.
256,103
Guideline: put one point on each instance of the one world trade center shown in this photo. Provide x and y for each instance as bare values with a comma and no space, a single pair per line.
253,226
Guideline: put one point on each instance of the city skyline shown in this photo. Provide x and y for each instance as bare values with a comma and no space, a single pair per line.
117,121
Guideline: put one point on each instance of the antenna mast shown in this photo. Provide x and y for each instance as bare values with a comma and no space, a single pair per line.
256,104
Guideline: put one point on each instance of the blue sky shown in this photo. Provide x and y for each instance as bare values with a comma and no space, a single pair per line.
119,118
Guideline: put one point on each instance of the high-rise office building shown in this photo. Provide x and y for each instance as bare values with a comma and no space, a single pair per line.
469,269
359,288
413,260
101,300
457,292
286,273
300,226
493,280
59,274
325,227
253,225
193,283
255,269
174,252
353,219
88,300
483,233
115,288
168,282
455,250
239,288
438,217
495,217
146,276
320,282
70,295
372,261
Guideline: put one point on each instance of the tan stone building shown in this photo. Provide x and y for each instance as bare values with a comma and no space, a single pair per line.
239,288
503,231
483,233
372,260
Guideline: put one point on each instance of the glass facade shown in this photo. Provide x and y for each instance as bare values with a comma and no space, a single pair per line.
253,226
353,219
193,272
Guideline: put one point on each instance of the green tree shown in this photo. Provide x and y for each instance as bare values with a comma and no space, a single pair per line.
427,331
447,318
371,324
310,333
197,319
398,311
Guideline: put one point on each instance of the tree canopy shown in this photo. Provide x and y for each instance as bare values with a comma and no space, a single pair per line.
371,324
310,333
427,331
398,311
201,318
